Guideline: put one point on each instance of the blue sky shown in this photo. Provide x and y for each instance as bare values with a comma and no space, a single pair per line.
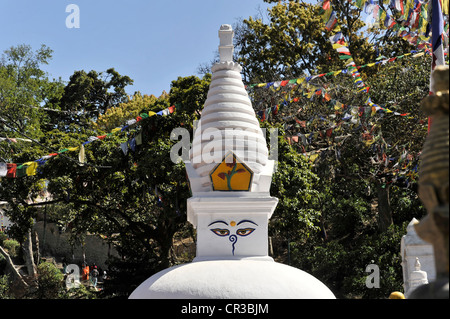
153,42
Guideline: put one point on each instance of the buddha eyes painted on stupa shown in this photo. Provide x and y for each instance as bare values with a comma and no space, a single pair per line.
225,232
245,231
220,232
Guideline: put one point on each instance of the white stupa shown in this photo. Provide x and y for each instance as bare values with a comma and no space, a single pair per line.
412,249
230,176
417,278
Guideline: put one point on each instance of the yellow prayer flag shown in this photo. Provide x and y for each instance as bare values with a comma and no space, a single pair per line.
445,5
382,15
81,155
151,113
31,169
116,129
313,157
72,149
369,142
337,46
408,5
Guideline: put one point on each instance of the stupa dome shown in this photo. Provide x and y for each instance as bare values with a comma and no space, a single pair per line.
232,279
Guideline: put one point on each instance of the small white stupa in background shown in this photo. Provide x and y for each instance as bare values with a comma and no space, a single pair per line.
412,249
230,176
417,278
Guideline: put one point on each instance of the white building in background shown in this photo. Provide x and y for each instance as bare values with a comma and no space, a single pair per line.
417,260
5,223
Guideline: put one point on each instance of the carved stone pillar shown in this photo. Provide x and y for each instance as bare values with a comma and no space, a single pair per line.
433,185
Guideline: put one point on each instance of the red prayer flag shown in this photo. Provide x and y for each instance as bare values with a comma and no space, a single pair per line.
11,170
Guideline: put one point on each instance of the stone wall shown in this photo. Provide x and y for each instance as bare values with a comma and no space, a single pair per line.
53,242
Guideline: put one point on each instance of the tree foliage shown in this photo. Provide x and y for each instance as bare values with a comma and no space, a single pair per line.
23,87
365,159
345,194
87,96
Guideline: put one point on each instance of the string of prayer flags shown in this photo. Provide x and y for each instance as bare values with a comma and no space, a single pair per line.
413,24
295,83
329,15
30,168
12,170
402,165
352,113
332,20
376,108
14,140
341,46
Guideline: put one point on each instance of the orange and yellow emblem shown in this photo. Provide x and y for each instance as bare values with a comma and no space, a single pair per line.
231,175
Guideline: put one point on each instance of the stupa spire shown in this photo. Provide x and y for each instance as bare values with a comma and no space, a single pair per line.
226,47
228,132
229,170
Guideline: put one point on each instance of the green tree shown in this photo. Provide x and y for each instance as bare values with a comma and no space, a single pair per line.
88,96
189,93
24,86
297,215
293,42
4,286
50,283
136,200
364,156
116,116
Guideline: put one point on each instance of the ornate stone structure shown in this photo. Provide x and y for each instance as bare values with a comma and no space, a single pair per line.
434,185
413,247
230,176
417,278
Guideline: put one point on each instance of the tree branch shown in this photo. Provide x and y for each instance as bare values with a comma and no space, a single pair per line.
12,267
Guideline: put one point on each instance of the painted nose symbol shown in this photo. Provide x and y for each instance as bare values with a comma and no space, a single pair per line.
233,239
